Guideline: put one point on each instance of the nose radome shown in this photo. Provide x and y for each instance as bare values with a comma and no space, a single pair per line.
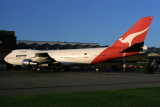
5,59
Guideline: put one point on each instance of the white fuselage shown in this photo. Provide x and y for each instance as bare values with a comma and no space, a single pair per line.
71,56
68,56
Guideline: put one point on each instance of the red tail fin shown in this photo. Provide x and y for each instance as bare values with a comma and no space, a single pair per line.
135,34
129,44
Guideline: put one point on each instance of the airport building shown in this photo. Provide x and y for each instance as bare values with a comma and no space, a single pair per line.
49,45
8,42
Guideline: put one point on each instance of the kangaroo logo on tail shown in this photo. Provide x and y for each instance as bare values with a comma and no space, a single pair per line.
129,38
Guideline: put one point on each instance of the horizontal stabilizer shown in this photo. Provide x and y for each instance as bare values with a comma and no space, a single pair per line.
134,48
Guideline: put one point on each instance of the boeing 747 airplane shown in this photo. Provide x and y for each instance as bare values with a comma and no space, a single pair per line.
131,43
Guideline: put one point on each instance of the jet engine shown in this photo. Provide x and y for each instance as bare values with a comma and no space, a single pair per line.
26,63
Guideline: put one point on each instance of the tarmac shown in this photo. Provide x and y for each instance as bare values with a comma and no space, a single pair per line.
15,83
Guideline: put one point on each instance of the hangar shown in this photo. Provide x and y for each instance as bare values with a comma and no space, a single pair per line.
49,45
8,42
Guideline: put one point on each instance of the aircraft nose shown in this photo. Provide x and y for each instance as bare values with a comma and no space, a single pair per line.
6,58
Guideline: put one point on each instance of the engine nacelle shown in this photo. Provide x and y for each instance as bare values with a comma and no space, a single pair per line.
26,63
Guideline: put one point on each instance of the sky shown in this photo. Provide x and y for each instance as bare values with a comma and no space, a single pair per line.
84,21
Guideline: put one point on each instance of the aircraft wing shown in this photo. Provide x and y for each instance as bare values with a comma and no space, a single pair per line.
42,58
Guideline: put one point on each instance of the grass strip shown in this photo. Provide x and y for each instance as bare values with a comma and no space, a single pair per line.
143,97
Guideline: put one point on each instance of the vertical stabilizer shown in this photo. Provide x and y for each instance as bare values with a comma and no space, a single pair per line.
136,34
130,43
